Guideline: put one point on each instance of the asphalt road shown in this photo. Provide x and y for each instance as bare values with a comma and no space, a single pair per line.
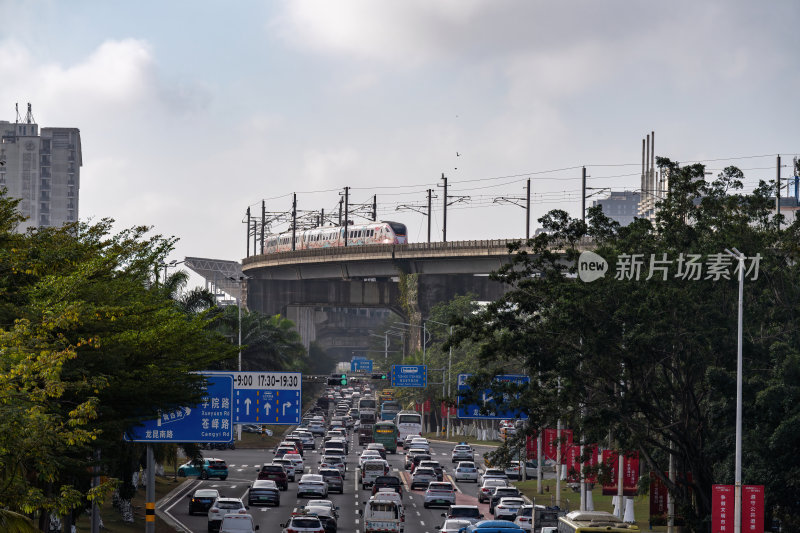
242,471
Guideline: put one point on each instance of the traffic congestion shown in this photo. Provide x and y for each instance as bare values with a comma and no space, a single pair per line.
351,469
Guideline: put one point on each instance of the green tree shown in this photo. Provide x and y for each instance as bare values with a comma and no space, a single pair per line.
89,345
650,364
268,342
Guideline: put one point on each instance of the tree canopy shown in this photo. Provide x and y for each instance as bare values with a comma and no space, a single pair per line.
90,343
644,358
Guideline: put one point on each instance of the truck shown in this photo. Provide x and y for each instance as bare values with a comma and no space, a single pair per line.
381,516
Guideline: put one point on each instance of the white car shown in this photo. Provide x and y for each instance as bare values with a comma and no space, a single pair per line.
288,466
223,507
513,471
524,517
466,471
333,461
312,484
462,452
493,473
507,508
440,493
453,525
368,455
487,488
303,524
297,462
238,523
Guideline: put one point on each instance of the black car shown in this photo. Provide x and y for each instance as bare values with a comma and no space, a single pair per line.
387,482
201,500
264,492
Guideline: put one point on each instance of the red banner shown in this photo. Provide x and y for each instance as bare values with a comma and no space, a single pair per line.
572,460
630,472
753,508
453,410
530,447
550,442
722,508
658,501
423,407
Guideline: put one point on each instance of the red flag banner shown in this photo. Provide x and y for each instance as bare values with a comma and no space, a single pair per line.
753,509
658,501
550,441
574,466
722,508
630,472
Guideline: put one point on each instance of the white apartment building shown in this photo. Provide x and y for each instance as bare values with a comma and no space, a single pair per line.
42,169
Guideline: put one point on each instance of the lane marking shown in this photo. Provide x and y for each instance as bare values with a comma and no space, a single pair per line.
421,523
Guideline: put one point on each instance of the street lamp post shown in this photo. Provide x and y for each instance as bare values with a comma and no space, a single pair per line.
737,488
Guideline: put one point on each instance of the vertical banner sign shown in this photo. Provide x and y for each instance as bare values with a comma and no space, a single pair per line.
658,501
722,509
572,460
574,466
753,509
550,442
530,446
630,472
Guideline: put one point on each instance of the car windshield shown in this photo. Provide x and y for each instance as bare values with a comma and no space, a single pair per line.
306,523
229,505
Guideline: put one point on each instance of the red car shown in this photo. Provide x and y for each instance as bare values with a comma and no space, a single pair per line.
276,473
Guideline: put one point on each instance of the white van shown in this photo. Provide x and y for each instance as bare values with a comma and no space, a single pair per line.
371,469
381,516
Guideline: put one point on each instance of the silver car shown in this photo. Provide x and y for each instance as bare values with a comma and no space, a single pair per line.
422,476
453,525
439,493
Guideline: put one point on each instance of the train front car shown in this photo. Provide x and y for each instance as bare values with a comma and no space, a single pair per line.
398,232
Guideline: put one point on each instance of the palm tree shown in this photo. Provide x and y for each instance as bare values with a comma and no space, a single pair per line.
12,522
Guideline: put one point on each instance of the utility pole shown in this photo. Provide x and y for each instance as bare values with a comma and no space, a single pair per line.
583,195
294,219
248,232
430,193
374,207
444,216
528,211
340,210
346,214
778,191
263,222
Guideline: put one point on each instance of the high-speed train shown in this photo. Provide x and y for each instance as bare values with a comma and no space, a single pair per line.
383,232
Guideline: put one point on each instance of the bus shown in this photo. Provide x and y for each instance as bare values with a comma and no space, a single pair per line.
591,521
389,409
408,423
367,404
385,433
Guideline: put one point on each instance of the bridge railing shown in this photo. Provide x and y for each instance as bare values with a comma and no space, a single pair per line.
492,246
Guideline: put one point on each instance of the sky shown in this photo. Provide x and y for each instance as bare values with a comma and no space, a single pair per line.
192,111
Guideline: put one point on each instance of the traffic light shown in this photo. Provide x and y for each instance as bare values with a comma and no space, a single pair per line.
343,382
383,376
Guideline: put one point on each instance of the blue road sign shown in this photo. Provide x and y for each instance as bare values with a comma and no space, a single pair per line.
361,365
210,421
409,376
487,396
267,397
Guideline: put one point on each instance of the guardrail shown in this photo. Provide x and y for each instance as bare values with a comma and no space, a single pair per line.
490,246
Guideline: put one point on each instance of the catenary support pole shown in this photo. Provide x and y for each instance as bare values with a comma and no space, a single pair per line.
248,232
430,195
583,194
263,223
294,220
528,210
444,212
778,190
346,213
